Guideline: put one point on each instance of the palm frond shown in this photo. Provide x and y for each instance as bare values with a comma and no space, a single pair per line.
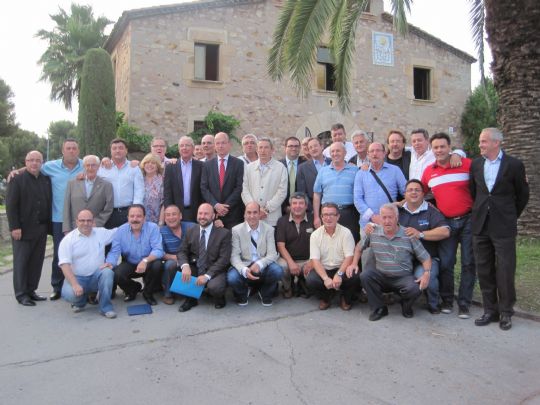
277,62
477,20
336,25
400,8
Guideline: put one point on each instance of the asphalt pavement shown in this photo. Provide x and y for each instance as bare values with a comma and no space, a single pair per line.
290,353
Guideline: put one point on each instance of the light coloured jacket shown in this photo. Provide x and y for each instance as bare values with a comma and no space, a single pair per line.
241,245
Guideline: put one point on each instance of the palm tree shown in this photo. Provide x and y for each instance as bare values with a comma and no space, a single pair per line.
62,62
513,37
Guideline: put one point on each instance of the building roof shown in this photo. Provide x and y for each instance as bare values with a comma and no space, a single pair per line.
129,15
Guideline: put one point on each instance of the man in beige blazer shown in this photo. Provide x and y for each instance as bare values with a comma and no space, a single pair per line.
266,182
92,193
254,258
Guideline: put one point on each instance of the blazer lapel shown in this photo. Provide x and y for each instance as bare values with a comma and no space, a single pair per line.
502,167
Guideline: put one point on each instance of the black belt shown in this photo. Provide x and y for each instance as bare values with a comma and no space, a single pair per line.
460,217
345,207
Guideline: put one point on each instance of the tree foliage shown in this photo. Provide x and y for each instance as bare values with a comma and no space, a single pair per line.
58,132
479,113
73,35
97,106
136,140
215,122
7,110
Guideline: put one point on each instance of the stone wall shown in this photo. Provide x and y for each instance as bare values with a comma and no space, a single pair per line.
164,99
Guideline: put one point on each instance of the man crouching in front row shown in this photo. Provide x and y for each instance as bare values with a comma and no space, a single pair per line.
394,252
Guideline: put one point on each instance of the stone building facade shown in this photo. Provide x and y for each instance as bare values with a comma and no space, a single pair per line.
175,63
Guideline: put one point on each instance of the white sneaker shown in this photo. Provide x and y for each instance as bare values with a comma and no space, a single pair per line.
76,309
110,314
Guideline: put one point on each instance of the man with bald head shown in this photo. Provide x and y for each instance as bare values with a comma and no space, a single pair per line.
92,192
28,206
221,183
182,183
208,147
205,253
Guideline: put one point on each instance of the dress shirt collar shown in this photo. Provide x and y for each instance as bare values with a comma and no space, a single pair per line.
499,157
208,229
291,219
258,229
182,162
226,158
82,235
422,207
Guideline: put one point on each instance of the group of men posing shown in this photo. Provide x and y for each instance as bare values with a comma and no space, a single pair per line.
354,215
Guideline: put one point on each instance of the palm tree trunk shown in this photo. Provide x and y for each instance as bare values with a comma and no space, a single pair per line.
513,29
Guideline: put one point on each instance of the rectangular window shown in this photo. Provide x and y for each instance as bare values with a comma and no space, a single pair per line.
325,70
198,125
422,83
206,62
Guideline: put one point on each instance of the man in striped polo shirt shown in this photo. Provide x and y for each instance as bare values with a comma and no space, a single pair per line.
394,252
450,188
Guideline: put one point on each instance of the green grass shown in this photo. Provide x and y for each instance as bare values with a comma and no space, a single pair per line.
5,253
527,276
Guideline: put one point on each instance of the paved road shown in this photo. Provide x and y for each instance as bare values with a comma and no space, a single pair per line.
291,353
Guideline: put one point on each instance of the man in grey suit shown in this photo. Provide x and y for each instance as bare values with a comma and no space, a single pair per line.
91,193
253,258
307,172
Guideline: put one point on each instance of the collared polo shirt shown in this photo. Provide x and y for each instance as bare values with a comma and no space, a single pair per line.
331,250
296,240
171,242
336,185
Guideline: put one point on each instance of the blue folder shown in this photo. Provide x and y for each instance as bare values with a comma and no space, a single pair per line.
139,309
188,289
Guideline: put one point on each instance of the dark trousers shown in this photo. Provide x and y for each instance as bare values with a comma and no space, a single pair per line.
117,218
57,277
376,283
28,255
349,217
496,268
316,286
124,274
217,285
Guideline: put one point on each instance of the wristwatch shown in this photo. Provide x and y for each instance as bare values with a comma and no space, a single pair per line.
340,273
145,260
421,235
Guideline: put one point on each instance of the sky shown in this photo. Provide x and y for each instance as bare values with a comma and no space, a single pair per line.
20,20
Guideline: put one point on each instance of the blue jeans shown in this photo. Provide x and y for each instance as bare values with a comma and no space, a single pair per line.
460,233
57,277
101,281
170,268
433,286
268,281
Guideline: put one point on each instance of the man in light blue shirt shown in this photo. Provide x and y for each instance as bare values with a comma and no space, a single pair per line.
139,243
369,196
127,182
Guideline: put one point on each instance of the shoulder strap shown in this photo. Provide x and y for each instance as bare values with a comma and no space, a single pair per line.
378,180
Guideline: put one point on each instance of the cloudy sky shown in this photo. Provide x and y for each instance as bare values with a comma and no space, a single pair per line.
20,20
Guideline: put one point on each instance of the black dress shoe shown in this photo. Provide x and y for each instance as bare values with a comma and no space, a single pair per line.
378,313
188,304
92,299
220,303
130,297
486,319
26,301
406,308
34,297
55,295
149,298
506,322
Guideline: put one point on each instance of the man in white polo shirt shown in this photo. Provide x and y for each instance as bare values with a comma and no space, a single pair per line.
81,257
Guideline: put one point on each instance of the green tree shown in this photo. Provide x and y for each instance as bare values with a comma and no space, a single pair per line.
7,110
513,37
137,141
480,112
62,63
97,119
215,122
58,132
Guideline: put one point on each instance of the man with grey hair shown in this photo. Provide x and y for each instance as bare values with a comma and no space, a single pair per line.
91,192
394,252
182,182
500,191
249,147
207,143
265,182
361,143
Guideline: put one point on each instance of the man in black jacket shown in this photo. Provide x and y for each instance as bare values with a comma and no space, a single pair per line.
28,206
500,191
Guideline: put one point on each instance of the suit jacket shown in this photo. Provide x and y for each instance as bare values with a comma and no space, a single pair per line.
218,250
268,189
173,188
20,204
406,161
507,199
241,245
232,188
301,160
354,160
305,179
100,202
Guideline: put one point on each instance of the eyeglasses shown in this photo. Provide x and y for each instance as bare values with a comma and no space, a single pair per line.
293,146
158,146
329,215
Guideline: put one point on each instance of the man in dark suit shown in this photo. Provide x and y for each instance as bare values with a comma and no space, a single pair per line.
307,172
29,205
182,183
221,183
292,162
205,253
500,191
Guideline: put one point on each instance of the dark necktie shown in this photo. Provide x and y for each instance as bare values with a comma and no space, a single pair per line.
201,261
221,174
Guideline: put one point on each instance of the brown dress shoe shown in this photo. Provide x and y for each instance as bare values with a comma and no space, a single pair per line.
168,300
323,305
344,305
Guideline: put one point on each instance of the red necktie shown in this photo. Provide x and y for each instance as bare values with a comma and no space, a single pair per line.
221,174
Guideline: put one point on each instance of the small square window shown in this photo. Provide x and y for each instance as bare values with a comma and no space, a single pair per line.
197,125
325,70
206,62
422,83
